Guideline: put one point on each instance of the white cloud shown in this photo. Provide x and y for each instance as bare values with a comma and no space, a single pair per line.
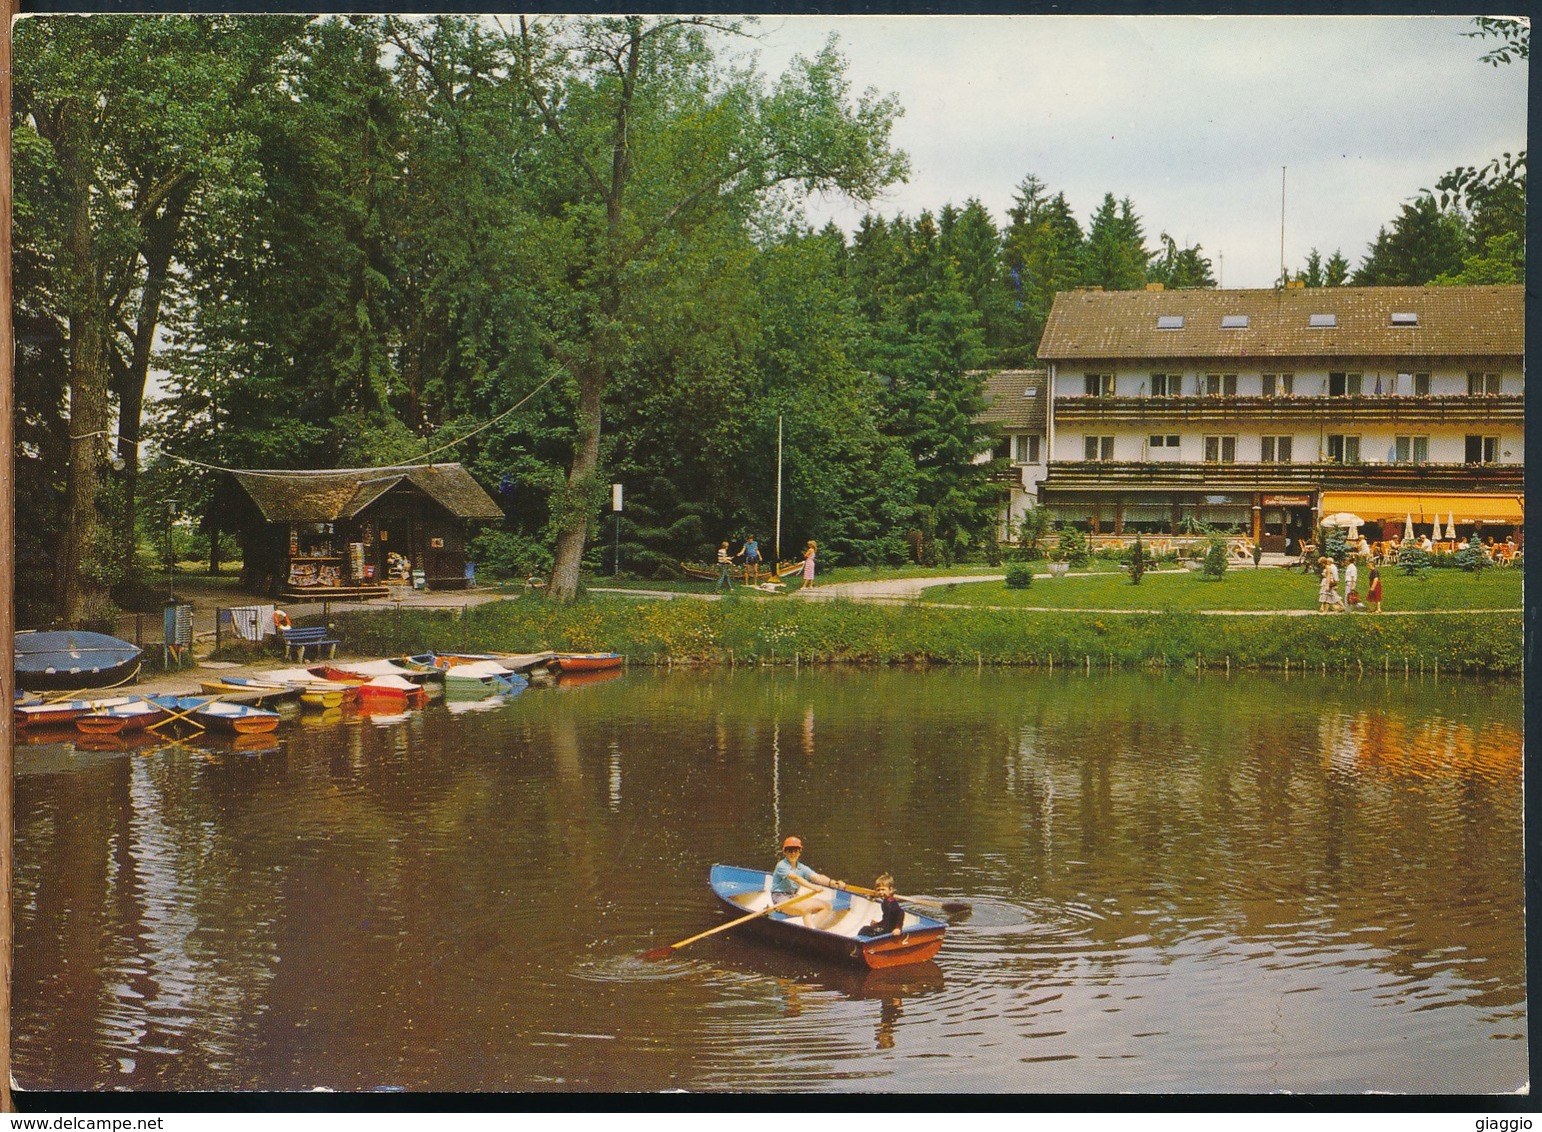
1190,117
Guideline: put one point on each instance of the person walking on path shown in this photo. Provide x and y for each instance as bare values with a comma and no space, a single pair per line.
1373,594
725,563
750,552
808,564
1328,591
1351,581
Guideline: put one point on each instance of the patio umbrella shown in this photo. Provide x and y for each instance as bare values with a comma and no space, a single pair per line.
1451,524
1342,519
1408,531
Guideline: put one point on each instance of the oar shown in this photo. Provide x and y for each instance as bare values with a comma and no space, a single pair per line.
182,715
666,952
946,906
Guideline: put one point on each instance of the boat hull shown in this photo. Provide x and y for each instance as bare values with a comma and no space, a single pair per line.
63,711
55,660
217,714
586,662
123,719
740,890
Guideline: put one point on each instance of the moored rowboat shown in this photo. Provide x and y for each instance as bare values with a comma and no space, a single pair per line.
115,720
73,659
240,718
586,661
749,890
64,711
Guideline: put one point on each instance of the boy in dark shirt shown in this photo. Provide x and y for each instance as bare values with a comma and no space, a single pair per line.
893,918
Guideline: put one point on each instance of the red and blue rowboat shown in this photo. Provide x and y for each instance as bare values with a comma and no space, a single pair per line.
741,891
240,718
122,718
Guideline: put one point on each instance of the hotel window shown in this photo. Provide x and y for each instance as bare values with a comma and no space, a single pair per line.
1220,449
1275,449
1344,449
1343,385
1411,450
1479,384
1100,385
1166,384
1025,449
1418,384
1220,385
1279,384
1483,450
1098,447
1167,442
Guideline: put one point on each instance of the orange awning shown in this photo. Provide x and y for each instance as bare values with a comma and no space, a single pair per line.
1465,507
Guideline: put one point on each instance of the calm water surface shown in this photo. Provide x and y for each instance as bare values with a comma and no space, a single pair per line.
1178,884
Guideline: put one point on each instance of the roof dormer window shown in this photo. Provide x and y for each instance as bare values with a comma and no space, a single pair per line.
1323,320
1405,318
1234,322
1169,322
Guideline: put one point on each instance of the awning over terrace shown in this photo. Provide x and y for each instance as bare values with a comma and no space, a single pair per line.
1426,507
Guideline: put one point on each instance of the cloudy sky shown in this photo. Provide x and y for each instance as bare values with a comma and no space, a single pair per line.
1192,118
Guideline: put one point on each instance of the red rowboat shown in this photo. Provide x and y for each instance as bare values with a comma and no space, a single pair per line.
586,661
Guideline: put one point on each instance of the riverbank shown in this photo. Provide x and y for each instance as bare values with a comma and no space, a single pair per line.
754,630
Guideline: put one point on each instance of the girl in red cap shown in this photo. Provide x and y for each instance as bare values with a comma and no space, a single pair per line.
787,881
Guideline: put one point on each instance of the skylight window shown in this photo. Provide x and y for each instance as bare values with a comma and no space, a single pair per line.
1234,322
1169,322
1323,320
1405,318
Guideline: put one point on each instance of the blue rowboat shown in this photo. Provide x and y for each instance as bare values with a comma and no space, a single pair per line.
243,719
835,936
70,659
481,677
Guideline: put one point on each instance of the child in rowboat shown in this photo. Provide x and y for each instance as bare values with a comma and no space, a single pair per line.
892,921
787,880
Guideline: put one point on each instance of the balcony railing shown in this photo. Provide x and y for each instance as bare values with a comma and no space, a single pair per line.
1486,409
1253,477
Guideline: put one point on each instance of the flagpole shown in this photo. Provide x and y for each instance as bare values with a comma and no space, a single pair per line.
777,550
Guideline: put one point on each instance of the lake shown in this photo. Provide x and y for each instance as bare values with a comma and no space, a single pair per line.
1177,883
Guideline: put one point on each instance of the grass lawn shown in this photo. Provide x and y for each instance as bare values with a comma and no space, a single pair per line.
1241,588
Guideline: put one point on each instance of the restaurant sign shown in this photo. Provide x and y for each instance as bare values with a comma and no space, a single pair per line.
1287,501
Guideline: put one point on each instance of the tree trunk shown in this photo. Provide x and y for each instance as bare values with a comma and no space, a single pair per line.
160,238
578,499
82,592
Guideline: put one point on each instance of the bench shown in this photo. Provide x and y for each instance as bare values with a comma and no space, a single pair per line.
311,637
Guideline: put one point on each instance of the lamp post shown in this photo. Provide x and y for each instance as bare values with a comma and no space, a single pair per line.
615,508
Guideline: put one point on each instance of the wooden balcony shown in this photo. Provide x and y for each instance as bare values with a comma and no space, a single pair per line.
1365,409
1087,474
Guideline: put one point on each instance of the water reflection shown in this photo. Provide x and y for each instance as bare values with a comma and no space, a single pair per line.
1175,884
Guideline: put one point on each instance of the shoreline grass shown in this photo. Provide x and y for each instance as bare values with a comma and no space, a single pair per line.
764,632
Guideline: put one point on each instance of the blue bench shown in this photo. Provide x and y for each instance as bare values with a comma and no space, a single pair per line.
311,637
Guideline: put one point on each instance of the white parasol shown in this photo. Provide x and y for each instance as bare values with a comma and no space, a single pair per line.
1408,531
1451,525
1342,519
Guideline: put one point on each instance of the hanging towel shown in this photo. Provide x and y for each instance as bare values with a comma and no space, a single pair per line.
252,622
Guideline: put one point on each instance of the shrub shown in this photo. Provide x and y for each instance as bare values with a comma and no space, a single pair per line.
1472,559
1019,576
504,554
1217,559
1073,547
1413,561
1137,561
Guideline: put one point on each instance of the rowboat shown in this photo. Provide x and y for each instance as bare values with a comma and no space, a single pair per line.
741,891
388,688
313,689
261,691
481,677
115,720
586,661
243,719
63,711
513,661
350,670
72,659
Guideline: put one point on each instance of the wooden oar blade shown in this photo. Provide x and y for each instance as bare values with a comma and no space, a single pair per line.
657,953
